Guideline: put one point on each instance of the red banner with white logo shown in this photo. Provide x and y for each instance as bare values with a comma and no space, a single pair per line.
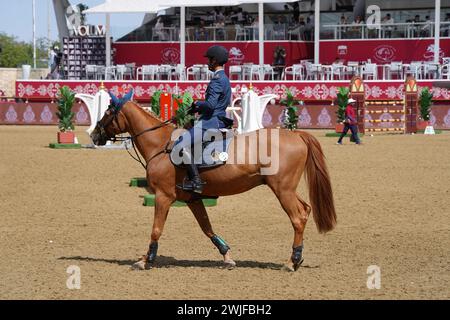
382,51
239,52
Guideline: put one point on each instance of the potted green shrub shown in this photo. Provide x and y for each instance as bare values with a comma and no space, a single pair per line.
425,101
342,101
66,99
183,104
291,117
154,105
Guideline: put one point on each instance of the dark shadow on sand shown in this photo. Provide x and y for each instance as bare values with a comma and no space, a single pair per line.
170,262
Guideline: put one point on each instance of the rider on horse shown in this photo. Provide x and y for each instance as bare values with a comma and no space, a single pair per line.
212,114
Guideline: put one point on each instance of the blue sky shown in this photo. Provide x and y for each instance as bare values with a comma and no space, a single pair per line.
16,18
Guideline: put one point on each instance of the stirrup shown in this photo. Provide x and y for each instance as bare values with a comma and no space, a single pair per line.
192,186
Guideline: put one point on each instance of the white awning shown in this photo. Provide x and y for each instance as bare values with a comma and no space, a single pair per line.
128,6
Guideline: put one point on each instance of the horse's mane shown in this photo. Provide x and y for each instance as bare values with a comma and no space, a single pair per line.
147,111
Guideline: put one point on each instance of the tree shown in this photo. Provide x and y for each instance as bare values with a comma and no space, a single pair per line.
425,103
17,53
14,53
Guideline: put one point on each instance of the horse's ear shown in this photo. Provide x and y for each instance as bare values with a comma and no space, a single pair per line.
114,100
128,96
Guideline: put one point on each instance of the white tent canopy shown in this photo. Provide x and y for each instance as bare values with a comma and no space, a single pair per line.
128,6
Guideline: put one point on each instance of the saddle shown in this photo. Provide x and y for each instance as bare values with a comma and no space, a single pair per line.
214,151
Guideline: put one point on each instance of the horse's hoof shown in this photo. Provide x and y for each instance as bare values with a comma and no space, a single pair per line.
140,265
229,264
292,267
297,265
288,268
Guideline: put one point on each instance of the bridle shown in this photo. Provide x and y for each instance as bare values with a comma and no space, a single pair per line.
104,136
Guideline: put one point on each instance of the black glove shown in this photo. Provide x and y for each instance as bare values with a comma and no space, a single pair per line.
193,108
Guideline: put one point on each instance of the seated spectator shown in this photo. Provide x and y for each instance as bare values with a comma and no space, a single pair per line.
388,29
201,34
220,28
342,30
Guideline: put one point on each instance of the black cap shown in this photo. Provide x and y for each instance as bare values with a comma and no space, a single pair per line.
219,53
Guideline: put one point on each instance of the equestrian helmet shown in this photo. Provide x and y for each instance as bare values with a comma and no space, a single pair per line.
219,53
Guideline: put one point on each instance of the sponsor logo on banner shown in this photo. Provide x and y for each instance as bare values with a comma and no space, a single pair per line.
384,53
28,115
429,53
342,50
46,115
235,56
170,56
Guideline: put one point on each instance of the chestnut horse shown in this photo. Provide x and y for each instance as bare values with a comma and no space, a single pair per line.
299,151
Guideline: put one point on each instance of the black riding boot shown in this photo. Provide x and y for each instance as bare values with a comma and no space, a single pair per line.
194,183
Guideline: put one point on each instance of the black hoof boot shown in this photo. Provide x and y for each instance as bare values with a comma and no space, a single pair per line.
297,257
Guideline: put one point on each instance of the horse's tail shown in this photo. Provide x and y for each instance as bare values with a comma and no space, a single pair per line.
320,191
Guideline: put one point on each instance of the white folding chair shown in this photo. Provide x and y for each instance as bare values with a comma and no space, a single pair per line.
296,71
240,32
90,70
369,70
146,71
236,71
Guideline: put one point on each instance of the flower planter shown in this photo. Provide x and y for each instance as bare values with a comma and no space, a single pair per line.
66,137
422,125
339,127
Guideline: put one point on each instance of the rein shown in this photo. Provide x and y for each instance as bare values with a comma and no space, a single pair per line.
137,157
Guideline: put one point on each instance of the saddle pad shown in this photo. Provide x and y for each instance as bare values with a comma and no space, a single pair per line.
213,153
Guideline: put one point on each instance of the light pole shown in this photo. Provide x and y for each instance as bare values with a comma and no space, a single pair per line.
34,34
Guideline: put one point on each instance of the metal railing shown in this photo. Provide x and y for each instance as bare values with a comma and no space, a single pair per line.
385,30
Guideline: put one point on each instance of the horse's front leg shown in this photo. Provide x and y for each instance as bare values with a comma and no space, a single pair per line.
199,211
162,206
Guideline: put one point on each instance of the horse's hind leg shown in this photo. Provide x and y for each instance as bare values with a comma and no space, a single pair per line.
199,211
298,212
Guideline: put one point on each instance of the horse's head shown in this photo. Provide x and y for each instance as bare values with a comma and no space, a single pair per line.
113,121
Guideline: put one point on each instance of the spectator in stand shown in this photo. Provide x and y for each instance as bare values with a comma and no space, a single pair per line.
309,28
279,61
356,29
425,30
388,20
298,29
201,34
445,27
416,25
159,29
220,27
279,28
342,30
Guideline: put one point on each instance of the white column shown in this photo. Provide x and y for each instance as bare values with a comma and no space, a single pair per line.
34,33
437,25
108,37
261,32
183,36
316,30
